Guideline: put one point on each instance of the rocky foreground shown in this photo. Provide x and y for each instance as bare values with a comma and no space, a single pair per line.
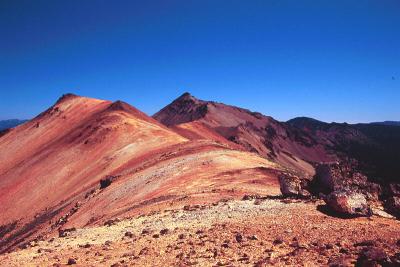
250,232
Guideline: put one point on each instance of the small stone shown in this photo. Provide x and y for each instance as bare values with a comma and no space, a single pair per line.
225,245
112,222
239,238
253,237
329,246
247,197
145,231
128,234
278,241
66,232
181,236
71,261
164,231
144,251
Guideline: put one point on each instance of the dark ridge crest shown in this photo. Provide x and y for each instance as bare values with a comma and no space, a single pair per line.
65,97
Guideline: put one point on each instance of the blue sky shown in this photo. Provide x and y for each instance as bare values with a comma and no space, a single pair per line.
331,60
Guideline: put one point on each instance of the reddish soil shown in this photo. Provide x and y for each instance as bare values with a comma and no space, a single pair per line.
226,233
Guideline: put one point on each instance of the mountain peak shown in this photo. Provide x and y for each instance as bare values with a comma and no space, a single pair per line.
120,105
185,108
302,122
65,97
186,97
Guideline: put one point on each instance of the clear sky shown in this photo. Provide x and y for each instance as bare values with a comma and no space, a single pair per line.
331,60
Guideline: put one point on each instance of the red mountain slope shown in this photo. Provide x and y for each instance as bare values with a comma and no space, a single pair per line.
51,167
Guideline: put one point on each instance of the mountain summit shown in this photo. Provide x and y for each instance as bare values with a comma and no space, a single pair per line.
253,131
185,108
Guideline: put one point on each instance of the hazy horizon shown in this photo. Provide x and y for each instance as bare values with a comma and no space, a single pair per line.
332,61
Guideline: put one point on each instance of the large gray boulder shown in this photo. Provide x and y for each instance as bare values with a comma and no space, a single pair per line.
348,203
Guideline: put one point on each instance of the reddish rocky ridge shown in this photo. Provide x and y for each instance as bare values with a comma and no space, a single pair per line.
99,183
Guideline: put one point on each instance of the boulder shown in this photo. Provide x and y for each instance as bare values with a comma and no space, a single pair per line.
348,203
293,186
107,181
328,177
331,177
372,256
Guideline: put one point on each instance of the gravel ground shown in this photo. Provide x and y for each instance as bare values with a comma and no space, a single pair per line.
255,232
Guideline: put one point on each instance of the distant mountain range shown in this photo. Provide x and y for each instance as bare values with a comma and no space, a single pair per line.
11,123
6,124
391,123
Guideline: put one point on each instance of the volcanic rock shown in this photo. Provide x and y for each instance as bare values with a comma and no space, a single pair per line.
107,181
372,256
348,203
343,176
164,231
129,234
65,232
71,261
239,237
278,241
112,222
292,186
